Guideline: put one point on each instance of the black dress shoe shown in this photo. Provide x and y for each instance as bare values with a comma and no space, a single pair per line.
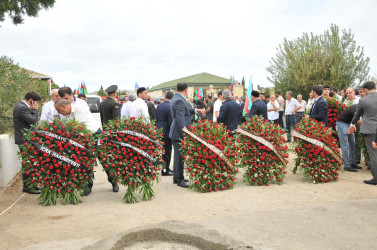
29,191
182,184
115,187
370,182
350,169
87,192
356,167
167,173
175,182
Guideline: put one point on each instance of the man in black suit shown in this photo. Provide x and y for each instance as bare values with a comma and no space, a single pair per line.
319,109
181,119
25,114
229,112
259,107
164,120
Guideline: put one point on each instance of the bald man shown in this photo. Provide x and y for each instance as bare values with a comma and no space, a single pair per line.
48,109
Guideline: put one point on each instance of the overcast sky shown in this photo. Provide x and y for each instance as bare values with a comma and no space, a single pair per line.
122,42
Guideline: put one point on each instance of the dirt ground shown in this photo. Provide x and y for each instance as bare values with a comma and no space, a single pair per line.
295,215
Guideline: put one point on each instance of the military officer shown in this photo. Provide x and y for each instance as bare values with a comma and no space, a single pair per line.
109,110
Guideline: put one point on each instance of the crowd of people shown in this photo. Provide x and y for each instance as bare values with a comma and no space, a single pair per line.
174,112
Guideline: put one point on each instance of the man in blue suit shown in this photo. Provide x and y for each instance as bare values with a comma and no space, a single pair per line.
164,120
319,109
181,119
259,107
229,112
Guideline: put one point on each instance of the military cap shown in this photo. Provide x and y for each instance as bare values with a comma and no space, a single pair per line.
111,89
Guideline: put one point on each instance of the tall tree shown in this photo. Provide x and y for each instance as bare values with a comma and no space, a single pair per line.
16,9
331,58
101,92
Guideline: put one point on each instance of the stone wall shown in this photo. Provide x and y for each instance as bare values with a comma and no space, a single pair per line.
9,162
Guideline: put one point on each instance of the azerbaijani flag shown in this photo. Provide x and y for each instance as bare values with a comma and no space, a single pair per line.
248,102
232,86
136,86
85,91
196,95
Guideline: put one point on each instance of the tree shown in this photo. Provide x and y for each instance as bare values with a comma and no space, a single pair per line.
101,92
16,9
15,83
330,58
243,83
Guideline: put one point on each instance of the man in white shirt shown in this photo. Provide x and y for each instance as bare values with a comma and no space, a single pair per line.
351,97
291,107
301,112
273,110
66,93
280,100
139,107
77,112
217,106
48,109
310,102
125,111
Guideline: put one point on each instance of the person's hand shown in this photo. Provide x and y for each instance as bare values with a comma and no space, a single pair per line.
351,130
306,116
34,105
374,144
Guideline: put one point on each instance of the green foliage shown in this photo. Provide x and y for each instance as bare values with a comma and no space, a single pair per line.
15,83
16,9
101,92
331,58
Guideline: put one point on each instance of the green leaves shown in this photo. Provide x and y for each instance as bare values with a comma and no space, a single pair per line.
331,58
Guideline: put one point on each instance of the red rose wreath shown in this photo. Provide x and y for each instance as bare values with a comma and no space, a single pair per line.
58,157
210,154
317,151
132,150
262,151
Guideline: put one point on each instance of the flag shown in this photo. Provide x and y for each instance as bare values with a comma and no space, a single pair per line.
82,89
248,102
78,90
201,94
232,86
85,90
196,95
136,86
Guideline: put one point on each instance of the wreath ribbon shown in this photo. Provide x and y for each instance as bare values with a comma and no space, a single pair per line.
264,142
142,152
211,147
319,144
129,132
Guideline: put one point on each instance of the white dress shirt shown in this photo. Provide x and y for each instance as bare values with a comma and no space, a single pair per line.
81,113
216,107
290,106
280,100
139,108
49,111
272,115
125,111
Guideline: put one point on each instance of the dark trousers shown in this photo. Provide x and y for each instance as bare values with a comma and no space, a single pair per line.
281,122
299,116
275,121
178,162
167,155
358,149
110,178
290,121
372,152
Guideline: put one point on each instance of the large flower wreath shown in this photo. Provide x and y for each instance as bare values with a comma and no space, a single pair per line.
263,151
58,157
335,109
210,155
317,151
131,149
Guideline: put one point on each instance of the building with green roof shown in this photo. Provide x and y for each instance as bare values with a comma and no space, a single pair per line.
210,84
